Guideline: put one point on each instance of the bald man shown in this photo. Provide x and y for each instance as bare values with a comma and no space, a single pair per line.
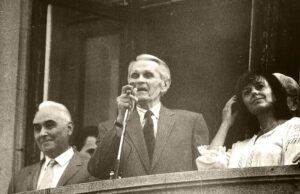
62,165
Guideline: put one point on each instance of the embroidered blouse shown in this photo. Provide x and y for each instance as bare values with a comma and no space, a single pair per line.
274,148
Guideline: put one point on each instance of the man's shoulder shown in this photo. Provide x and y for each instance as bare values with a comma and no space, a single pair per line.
23,178
28,169
105,126
83,160
32,166
81,157
184,113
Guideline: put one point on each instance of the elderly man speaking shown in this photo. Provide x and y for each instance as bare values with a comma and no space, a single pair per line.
158,139
62,165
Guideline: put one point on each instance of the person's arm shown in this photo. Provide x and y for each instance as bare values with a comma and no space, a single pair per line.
292,143
200,134
103,159
214,156
228,118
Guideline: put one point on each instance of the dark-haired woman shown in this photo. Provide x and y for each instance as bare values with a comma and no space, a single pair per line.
260,99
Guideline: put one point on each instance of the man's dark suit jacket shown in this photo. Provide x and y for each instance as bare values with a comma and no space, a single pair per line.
178,135
27,178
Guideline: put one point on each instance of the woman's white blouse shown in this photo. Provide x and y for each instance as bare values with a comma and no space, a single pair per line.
274,148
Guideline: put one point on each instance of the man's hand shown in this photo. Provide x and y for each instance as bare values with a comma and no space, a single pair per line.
126,100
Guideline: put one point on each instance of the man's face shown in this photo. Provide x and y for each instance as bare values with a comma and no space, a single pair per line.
146,78
51,131
89,146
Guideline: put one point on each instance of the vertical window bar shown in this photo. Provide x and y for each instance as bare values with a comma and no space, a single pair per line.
47,52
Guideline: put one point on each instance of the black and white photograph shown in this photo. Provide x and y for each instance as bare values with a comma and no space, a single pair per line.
150,96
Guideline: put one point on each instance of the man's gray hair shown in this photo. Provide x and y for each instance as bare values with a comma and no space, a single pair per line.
62,109
164,69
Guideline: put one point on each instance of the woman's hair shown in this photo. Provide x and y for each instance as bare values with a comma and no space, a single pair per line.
281,110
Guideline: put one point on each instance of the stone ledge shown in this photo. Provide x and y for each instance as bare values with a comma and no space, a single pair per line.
247,180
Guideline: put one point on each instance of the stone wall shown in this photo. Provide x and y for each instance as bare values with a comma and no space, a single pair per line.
14,33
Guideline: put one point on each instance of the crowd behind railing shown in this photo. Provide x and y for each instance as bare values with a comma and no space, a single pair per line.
162,140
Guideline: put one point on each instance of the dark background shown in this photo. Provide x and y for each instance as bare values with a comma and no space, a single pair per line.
206,43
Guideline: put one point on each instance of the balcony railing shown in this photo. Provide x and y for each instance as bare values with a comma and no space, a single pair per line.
256,180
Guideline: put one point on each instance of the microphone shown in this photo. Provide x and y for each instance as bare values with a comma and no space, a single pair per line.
115,173
131,92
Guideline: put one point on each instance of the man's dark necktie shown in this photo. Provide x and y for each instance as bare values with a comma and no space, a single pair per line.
149,134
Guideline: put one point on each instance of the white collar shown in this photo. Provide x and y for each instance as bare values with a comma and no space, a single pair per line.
63,158
155,110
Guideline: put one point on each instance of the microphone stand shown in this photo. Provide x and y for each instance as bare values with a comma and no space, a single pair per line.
115,173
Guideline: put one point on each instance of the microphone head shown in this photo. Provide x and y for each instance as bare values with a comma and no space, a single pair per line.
132,84
128,92
133,90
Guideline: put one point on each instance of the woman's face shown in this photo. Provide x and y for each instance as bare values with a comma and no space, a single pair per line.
258,96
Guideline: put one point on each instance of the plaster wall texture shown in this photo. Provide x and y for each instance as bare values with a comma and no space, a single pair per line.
14,33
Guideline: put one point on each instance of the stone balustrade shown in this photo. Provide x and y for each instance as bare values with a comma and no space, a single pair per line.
257,180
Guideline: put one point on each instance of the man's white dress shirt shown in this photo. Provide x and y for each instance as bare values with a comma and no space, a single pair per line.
155,110
62,162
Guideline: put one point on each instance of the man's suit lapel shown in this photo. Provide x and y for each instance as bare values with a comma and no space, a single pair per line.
72,168
165,125
33,175
134,131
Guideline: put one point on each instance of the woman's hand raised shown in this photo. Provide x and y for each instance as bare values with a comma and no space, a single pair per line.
228,118
228,114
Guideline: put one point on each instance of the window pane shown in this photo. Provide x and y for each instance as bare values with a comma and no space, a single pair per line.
83,58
